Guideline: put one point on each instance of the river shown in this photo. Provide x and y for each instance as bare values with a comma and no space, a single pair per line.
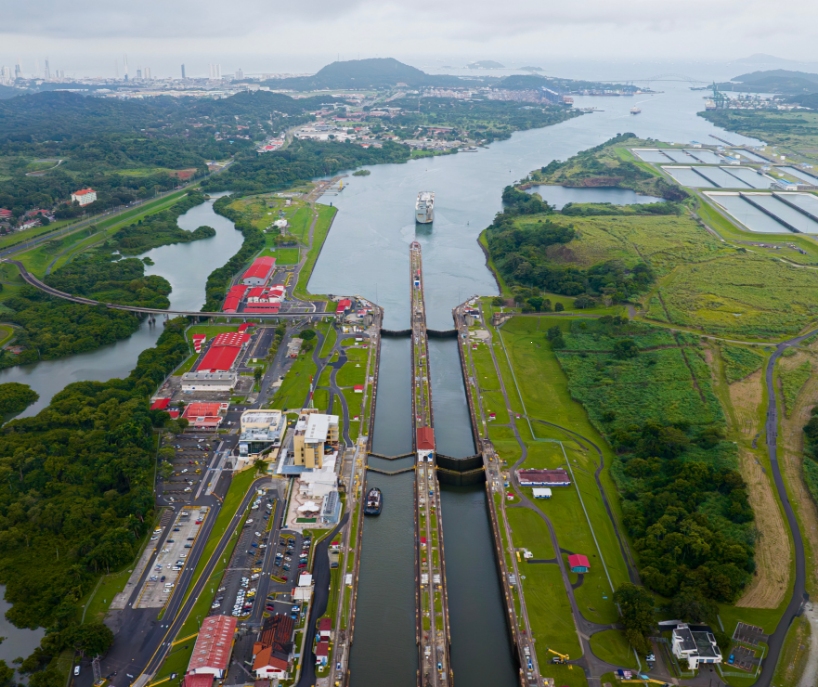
185,265
366,253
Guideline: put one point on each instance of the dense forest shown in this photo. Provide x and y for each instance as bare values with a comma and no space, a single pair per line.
126,149
218,281
299,162
520,255
76,497
684,502
161,228
53,328
810,465
15,398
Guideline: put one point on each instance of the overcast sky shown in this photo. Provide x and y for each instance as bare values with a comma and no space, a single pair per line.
87,37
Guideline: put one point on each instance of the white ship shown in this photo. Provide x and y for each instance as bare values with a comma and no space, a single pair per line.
635,110
425,208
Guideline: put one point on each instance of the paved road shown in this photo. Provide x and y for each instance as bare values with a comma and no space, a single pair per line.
799,592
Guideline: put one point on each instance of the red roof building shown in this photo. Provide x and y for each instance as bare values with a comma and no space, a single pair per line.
234,298
160,404
223,351
358,388
271,654
325,627
84,196
266,294
543,478
344,305
244,326
269,308
213,646
579,563
5,214
260,271
205,415
194,680
425,439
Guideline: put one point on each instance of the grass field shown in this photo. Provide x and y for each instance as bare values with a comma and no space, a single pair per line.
611,646
326,213
6,333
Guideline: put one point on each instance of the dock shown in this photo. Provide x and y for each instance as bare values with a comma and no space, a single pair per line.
433,633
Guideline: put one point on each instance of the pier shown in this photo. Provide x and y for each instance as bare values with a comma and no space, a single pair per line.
433,634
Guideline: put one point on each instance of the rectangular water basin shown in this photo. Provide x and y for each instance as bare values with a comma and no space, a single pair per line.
687,177
750,217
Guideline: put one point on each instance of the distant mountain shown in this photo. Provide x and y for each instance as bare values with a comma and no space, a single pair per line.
485,64
370,73
531,69
780,81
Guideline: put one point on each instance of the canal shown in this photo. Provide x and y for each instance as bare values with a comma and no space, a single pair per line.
376,219
367,253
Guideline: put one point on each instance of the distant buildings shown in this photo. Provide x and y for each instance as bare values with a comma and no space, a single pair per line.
314,434
84,196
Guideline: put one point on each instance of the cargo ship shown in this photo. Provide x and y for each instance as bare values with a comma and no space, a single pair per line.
374,502
425,208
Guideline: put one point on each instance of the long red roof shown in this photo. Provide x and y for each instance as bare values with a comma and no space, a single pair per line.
261,268
214,643
426,439
219,358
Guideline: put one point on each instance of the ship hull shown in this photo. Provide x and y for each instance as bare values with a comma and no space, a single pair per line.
374,502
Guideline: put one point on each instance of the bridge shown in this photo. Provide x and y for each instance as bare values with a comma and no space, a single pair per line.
434,637
51,291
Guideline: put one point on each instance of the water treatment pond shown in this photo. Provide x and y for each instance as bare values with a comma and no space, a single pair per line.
560,196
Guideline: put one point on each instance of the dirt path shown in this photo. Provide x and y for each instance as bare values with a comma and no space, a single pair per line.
809,678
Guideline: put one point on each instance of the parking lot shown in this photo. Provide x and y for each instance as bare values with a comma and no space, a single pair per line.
265,563
194,452
171,558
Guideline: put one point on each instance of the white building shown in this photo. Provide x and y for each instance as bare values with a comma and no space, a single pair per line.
209,381
695,646
261,430
84,196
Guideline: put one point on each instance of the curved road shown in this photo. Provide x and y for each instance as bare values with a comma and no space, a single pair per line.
799,592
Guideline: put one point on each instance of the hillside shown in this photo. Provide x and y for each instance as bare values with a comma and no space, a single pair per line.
369,73
779,81
524,82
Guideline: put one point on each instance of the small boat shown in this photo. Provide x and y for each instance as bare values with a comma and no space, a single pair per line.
374,502
636,110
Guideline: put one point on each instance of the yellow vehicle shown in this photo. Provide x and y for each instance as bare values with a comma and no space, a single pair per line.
560,658
256,570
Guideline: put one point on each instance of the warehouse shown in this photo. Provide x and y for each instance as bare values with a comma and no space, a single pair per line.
543,478
425,439
344,306
234,297
260,271
204,380
223,352
211,655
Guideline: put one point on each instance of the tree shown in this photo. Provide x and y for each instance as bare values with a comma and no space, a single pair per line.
691,606
624,349
6,674
258,373
90,639
307,334
636,612
498,301
536,302
558,307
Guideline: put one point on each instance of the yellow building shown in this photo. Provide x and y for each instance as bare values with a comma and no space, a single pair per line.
313,433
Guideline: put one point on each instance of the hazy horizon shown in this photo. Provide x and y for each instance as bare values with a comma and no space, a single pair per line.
91,38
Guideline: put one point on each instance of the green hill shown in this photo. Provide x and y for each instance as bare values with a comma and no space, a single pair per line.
780,81
382,72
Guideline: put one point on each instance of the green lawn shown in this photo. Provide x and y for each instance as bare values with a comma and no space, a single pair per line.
109,586
293,391
326,213
611,646
6,332
284,256
530,531
549,612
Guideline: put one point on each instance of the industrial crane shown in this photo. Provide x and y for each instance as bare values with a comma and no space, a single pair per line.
560,658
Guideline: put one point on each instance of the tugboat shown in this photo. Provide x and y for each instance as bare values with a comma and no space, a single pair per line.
636,110
374,502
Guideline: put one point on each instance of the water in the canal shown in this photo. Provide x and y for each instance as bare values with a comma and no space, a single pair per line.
376,219
384,651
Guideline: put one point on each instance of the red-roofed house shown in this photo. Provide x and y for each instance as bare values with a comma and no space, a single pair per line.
213,646
322,653
160,404
205,415
5,214
266,294
579,563
425,439
358,388
84,196
325,628
271,654
344,305
260,271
